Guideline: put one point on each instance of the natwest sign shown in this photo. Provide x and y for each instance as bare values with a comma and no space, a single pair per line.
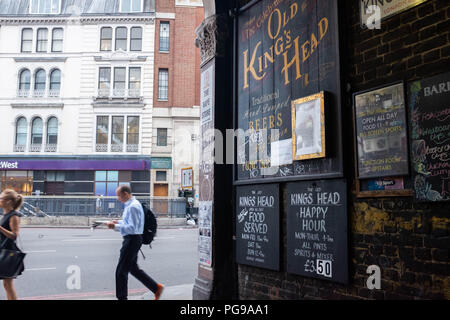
9,165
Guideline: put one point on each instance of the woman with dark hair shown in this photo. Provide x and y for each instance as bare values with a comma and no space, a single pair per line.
10,201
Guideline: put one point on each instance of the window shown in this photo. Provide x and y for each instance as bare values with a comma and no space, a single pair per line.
134,81
36,131
25,80
52,131
132,134
21,131
163,84
102,133
27,40
164,36
45,6
117,134
119,81
161,175
131,6
39,80
106,39
121,38
55,80
161,139
55,176
42,39
106,182
136,39
57,39
104,80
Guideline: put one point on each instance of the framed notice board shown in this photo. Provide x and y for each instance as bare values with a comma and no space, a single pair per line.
381,143
287,51
317,229
258,226
428,106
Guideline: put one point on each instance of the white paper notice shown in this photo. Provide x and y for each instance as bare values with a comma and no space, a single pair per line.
281,152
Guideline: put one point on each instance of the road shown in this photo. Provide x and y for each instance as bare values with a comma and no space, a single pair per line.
56,256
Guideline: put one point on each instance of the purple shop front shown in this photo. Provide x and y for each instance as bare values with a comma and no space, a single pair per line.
70,164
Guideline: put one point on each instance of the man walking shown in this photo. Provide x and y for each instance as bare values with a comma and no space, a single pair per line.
131,227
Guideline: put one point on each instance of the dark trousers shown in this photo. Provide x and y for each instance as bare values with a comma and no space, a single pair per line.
128,264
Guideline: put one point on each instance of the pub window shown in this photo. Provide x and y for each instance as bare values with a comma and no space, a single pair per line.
163,84
27,40
161,137
42,39
121,38
57,39
136,39
106,39
164,36
21,131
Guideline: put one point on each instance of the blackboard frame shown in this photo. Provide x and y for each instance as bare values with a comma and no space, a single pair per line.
357,181
339,152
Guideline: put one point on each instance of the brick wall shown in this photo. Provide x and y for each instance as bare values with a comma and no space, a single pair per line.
183,58
409,241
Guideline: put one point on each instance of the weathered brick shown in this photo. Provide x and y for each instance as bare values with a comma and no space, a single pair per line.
400,32
408,277
445,51
422,253
440,255
390,251
428,21
370,65
397,56
427,32
409,16
414,61
426,9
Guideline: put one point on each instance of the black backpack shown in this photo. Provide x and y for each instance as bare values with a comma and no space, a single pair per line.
150,224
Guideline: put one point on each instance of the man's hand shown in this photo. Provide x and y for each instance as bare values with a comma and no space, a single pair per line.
111,224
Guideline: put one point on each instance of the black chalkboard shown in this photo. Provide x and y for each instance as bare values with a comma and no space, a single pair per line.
381,140
429,114
258,226
317,229
286,50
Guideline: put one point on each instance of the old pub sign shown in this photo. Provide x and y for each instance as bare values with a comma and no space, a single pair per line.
286,50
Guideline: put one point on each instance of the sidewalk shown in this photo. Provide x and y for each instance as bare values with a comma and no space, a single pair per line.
180,292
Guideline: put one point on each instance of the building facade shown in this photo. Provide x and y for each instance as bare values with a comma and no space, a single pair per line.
389,237
77,95
176,96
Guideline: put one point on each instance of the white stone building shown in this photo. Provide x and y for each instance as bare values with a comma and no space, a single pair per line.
76,95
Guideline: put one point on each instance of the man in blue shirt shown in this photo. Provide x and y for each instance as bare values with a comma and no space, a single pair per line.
131,227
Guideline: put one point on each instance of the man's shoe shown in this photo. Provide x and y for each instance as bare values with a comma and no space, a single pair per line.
159,291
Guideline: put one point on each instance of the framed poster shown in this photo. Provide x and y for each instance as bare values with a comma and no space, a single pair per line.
429,112
308,127
380,130
285,51
187,178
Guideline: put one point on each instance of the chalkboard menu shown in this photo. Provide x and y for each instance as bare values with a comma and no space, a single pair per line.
429,109
381,132
258,226
317,229
286,50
